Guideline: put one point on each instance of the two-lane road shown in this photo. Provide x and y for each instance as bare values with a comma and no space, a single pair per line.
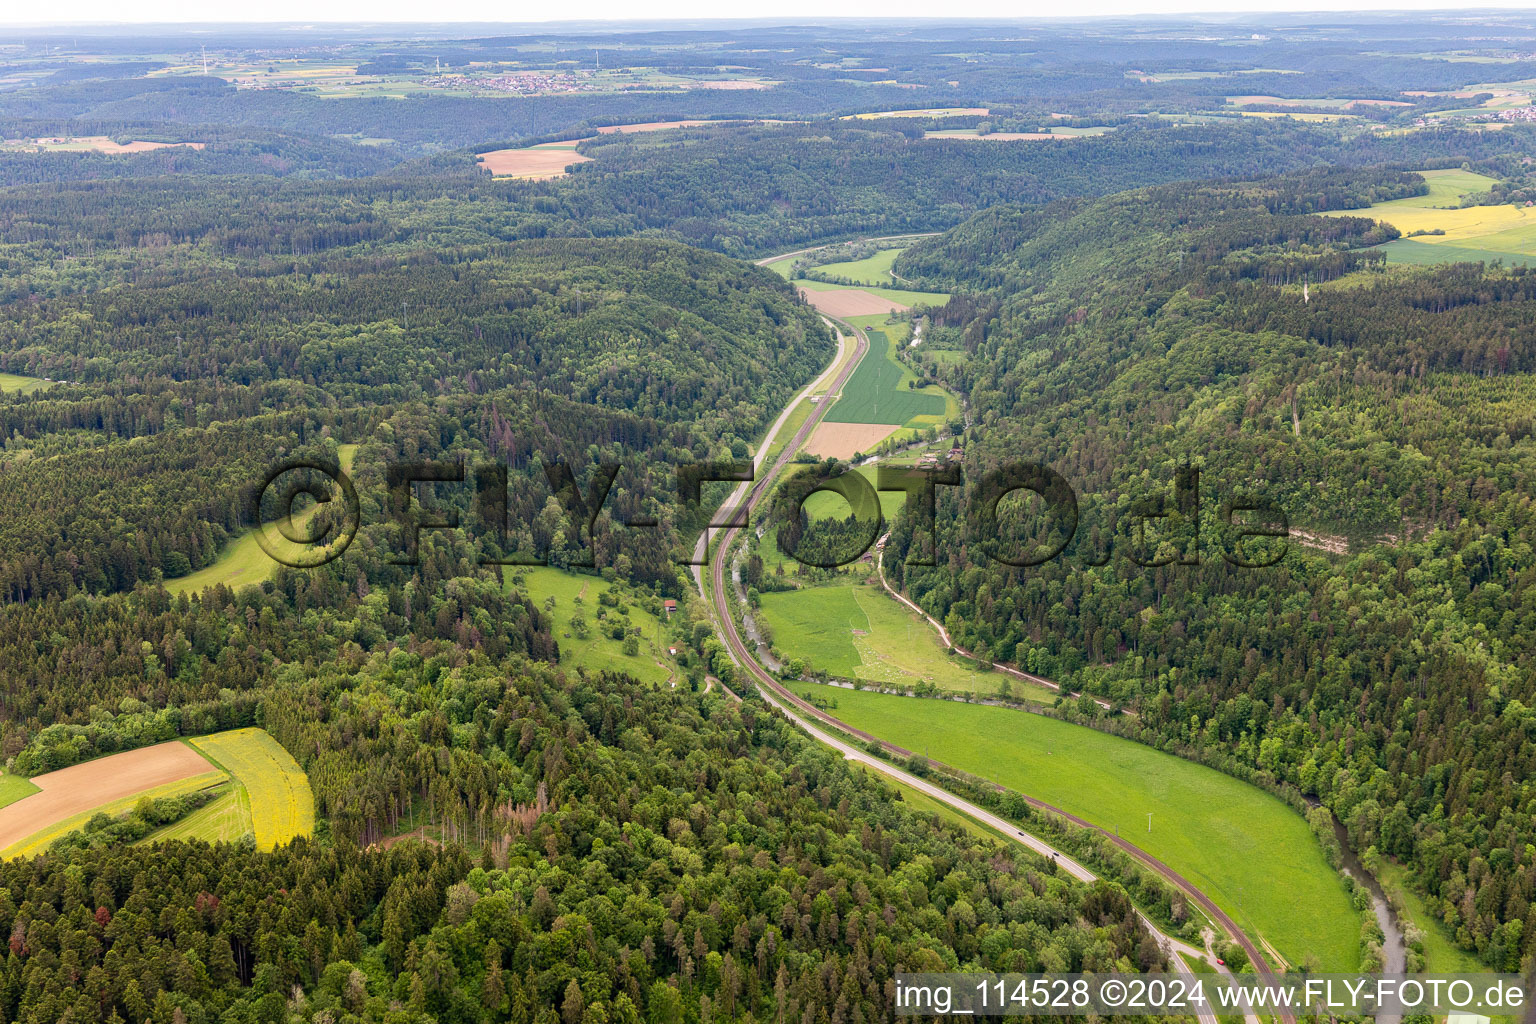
742,502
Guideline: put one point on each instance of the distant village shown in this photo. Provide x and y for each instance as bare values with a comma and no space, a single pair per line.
519,82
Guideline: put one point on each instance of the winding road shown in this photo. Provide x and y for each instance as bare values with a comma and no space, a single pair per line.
746,498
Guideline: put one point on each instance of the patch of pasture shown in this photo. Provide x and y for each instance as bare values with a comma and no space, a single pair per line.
14,788
859,632
1441,954
242,562
25,385
1413,252
872,270
1253,855
224,819
579,596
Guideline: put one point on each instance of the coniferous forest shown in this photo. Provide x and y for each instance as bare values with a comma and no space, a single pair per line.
509,828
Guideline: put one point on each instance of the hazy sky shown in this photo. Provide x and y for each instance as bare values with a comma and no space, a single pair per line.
109,11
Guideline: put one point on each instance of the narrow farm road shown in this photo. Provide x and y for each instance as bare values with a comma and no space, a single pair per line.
949,642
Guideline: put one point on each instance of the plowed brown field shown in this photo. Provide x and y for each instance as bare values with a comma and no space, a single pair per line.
70,791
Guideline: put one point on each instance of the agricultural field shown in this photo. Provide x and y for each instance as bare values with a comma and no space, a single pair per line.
267,74
341,79
850,302
82,789
25,385
1502,96
857,631
1414,252
546,160
90,144
1190,76
891,297
276,790
577,594
1247,850
38,842
1298,115
832,440
875,403
877,391
647,126
1469,233
1327,103
243,563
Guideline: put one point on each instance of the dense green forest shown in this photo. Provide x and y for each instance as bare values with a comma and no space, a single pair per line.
641,354
1385,412
647,874
504,837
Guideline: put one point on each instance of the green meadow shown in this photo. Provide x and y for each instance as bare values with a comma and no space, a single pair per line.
25,385
873,270
1446,187
829,504
1253,855
243,563
224,819
782,266
15,787
1423,254
857,631
577,595
1441,954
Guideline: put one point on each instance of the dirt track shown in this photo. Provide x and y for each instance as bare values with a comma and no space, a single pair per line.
70,791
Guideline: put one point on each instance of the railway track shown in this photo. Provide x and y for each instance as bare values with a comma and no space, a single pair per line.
742,502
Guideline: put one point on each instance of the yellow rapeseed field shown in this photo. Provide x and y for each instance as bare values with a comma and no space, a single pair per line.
281,804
